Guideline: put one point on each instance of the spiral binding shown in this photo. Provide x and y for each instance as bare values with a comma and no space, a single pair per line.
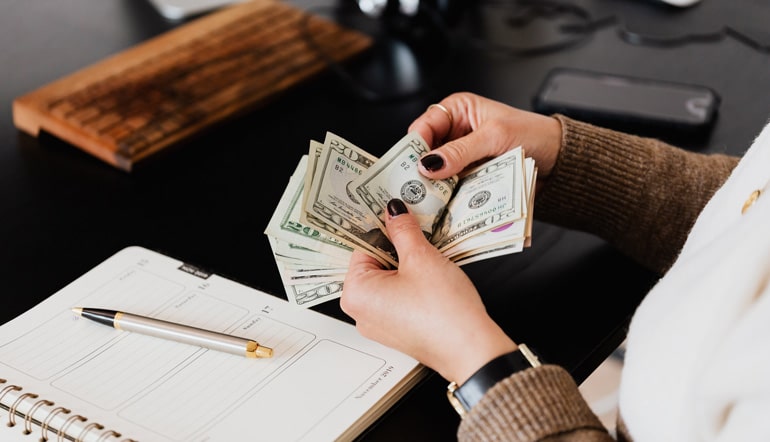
46,431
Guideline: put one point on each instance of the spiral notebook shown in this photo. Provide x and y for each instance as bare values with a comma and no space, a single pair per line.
67,378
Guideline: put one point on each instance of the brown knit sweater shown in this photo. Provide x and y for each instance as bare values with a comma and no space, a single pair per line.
642,196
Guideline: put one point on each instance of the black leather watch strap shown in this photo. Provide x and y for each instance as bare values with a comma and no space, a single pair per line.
464,397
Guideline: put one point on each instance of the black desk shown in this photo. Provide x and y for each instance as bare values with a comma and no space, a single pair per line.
569,295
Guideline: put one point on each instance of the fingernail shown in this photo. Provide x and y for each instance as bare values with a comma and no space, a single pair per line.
396,207
432,162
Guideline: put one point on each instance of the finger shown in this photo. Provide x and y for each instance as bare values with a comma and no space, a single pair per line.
404,231
362,262
455,156
429,126
362,270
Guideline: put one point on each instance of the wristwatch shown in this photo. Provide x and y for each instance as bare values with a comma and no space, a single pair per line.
464,397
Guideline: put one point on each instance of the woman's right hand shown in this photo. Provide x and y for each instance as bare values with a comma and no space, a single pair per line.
480,129
428,308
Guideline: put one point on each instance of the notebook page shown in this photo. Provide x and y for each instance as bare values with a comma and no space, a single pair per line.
322,378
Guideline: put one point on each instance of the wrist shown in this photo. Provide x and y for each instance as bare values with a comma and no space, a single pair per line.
553,134
485,349
463,396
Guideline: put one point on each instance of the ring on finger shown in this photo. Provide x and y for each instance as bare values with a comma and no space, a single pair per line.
446,111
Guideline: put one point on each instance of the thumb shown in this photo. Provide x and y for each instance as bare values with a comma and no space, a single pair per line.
404,231
456,155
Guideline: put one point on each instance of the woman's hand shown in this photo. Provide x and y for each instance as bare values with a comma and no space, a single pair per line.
479,129
428,308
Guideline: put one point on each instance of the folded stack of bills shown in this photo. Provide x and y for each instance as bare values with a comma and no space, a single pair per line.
336,200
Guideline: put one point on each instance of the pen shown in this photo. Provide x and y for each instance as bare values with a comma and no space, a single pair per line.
176,332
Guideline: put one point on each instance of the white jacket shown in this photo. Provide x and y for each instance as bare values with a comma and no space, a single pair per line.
697,364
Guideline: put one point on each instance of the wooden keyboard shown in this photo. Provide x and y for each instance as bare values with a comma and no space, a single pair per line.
160,92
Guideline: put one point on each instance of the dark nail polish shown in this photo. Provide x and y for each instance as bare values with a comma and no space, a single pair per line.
396,207
432,162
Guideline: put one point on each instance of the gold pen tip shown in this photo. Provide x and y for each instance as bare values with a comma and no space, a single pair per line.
264,352
254,350
77,310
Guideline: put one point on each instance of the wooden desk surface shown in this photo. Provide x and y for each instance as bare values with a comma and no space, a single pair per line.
208,202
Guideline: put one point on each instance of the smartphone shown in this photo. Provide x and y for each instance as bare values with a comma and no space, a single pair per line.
671,111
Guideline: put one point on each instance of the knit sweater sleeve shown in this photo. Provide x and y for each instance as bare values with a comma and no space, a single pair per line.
639,194
537,404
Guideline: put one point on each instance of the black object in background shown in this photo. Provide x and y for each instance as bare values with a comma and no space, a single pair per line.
449,10
675,112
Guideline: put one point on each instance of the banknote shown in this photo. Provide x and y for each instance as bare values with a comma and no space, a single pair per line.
489,196
335,203
286,223
332,200
316,149
395,175
297,256
506,239
308,273
306,295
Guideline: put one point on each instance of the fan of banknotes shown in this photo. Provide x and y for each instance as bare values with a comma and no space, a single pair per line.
335,203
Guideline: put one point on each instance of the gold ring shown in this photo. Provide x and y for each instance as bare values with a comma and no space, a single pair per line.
446,111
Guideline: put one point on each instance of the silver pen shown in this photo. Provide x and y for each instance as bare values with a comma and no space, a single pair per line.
176,332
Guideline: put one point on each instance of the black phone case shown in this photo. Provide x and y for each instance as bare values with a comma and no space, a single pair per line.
629,117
